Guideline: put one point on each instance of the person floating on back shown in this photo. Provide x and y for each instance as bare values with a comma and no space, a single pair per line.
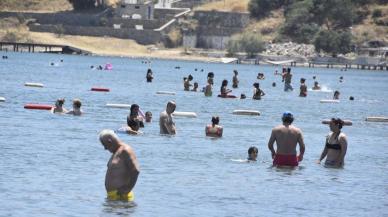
286,137
214,129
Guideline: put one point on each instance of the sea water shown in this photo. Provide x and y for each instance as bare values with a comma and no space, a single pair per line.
54,165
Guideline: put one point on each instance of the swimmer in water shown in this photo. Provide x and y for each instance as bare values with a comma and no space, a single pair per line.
76,108
287,76
336,144
287,137
149,75
166,121
235,79
123,167
133,121
214,129
243,96
336,95
252,153
148,117
224,90
186,83
257,92
59,107
195,88
209,88
316,86
303,88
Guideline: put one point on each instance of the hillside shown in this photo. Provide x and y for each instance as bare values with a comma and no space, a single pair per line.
269,26
35,5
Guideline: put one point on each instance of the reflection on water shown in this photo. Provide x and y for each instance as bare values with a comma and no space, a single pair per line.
118,208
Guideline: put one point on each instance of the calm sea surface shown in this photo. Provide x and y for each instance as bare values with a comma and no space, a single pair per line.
54,165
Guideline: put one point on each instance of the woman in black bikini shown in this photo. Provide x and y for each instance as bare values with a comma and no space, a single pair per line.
336,144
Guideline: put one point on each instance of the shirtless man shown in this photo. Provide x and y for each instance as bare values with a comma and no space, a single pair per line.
186,83
123,168
303,88
287,137
76,108
166,123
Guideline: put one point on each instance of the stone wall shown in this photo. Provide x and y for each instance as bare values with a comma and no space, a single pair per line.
141,36
167,13
189,3
215,29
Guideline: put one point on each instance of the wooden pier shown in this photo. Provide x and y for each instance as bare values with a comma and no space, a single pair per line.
36,47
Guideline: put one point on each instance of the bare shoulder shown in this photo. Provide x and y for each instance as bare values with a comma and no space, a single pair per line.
342,136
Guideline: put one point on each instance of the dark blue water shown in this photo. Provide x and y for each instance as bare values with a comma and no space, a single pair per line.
54,165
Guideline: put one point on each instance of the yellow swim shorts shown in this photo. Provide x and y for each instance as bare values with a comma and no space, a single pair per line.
114,195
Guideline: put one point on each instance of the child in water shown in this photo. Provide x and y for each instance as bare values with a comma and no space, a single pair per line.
252,153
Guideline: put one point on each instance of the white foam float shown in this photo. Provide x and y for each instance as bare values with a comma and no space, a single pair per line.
185,114
30,84
246,112
377,119
114,105
2,99
165,92
329,101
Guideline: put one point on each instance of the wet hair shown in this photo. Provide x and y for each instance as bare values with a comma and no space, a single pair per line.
253,149
336,92
288,70
77,103
316,83
60,101
149,71
184,78
302,80
314,77
190,77
274,84
243,96
338,121
210,75
257,85
132,109
224,82
195,84
148,113
288,117
351,98
215,120
235,71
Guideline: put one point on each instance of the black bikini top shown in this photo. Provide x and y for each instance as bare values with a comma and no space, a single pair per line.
333,146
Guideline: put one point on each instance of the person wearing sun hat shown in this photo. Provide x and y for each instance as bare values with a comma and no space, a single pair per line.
287,137
336,143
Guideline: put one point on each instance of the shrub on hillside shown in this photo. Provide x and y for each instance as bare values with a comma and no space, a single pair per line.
11,37
83,4
250,43
334,42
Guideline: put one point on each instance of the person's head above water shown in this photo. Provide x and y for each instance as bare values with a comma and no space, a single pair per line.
252,153
109,140
170,108
243,96
302,80
210,75
287,117
148,116
190,78
134,110
215,120
224,83
256,85
77,103
60,102
235,72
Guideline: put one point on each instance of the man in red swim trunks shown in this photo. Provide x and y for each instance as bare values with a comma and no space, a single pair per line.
287,137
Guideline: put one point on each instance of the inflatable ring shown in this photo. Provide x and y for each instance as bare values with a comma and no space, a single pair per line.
185,114
29,84
246,112
100,89
377,119
38,106
165,92
329,101
2,99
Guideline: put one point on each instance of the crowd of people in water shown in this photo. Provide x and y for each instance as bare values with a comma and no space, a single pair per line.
123,167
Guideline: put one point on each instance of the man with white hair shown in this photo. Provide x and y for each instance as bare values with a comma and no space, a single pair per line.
166,123
123,168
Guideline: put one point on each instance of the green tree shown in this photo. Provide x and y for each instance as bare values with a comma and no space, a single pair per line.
334,42
252,43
